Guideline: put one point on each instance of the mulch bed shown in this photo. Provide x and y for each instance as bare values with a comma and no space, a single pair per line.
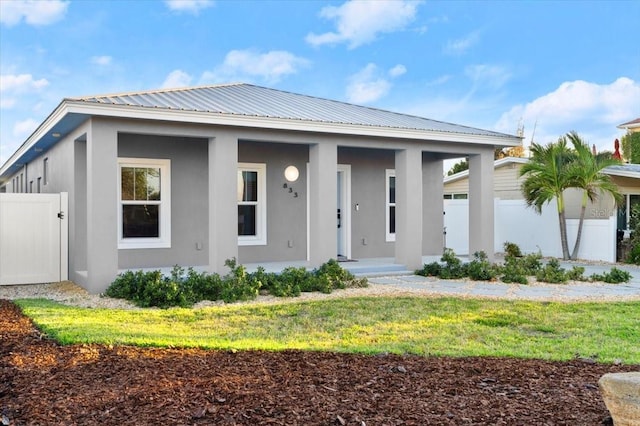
45,383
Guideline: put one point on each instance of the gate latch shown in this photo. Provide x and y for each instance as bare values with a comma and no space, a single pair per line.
61,215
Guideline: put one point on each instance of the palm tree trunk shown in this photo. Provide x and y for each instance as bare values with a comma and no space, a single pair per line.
563,229
576,247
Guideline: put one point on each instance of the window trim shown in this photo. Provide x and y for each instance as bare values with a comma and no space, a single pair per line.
389,236
260,239
164,240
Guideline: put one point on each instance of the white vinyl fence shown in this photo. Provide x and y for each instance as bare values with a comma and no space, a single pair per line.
33,238
532,232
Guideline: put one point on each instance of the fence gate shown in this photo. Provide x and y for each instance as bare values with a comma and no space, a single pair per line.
33,238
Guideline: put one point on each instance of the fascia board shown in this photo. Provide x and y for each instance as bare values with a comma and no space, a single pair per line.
622,173
121,111
44,128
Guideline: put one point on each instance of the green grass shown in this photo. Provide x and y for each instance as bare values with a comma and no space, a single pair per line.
414,325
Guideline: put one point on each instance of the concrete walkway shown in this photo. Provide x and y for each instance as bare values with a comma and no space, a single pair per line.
573,291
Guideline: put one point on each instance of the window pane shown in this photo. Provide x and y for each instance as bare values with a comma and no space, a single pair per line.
140,185
246,220
127,183
140,221
392,219
153,184
459,196
392,189
250,190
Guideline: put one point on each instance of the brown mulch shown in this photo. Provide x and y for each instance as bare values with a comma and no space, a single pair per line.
45,383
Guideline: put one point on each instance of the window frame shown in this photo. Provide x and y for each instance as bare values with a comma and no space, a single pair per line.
389,236
164,209
45,170
260,239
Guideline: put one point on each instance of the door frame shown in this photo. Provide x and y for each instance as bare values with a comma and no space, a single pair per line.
346,216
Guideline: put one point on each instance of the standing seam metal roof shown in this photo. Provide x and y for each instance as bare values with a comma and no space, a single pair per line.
255,101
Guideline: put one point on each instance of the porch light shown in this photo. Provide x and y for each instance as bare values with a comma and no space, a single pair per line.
56,134
291,173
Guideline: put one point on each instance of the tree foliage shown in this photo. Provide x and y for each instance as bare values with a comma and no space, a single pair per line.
555,167
631,147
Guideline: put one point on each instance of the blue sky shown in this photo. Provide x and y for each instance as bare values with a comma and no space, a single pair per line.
552,66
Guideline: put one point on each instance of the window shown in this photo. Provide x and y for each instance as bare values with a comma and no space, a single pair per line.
144,207
455,196
31,186
252,204
39,184
45,170
390,203
21,182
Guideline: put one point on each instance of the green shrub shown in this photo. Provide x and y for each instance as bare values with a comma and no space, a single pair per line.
480,268
514,270
511,250
552,273
576,274
430,270
532,263
237,284
125,286
453,267
615,276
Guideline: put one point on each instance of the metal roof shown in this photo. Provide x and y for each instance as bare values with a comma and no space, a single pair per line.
254,101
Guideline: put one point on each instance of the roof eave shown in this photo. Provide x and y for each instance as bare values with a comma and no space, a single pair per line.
45,127
274,123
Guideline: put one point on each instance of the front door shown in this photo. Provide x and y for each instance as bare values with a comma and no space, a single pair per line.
343,213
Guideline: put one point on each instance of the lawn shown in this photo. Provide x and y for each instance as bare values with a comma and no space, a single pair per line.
606,332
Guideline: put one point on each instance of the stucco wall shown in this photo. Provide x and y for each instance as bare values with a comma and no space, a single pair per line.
189,221
286,214
368,233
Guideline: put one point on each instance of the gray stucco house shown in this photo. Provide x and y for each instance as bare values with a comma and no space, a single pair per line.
195,176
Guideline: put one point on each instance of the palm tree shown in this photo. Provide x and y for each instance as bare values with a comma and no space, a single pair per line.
586,174
546,178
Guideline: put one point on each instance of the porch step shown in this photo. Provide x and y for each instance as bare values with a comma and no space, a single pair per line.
371,271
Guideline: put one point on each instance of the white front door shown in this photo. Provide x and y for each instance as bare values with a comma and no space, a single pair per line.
343,214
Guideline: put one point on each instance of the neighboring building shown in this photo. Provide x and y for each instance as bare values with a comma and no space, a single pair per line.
631,126
507,184
195,176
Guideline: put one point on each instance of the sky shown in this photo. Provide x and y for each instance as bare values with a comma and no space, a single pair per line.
548,67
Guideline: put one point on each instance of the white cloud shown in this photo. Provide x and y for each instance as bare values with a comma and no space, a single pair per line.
22,129
491,76
101,60
12,83
593,110
249,64
368,85
359,22
33,12
190,6
177,78
460,46
397,71
7,103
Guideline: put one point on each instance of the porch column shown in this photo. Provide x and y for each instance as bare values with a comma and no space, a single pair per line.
223,203
408,247
323,204
433,206
481,219
102,202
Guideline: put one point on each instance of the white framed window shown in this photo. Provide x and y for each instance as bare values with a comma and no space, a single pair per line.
390,204
144,203
252,204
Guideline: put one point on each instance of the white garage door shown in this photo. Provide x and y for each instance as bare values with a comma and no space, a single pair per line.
33,238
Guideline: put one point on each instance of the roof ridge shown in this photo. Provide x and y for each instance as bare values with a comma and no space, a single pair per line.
154,91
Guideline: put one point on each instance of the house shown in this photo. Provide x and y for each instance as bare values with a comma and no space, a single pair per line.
632,126
196,176
611,220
